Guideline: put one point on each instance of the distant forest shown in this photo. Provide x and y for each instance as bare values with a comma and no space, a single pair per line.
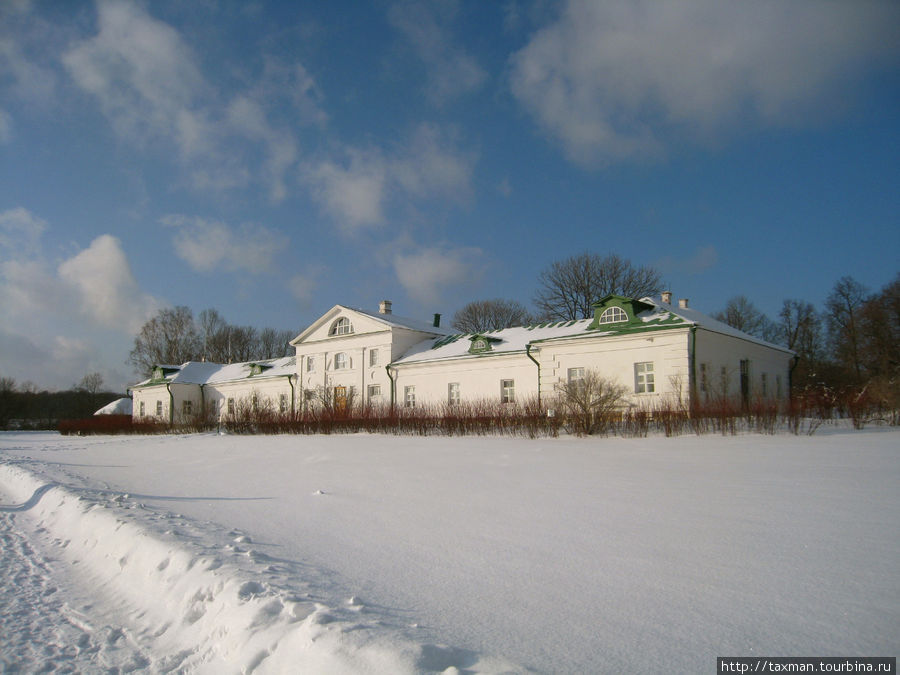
23,407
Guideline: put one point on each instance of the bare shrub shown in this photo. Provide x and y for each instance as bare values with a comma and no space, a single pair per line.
592,404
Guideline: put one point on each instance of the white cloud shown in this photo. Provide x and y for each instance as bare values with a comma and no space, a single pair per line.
62,321
141,71
102,280
352,194
452,72
610,80
151,88
20,232
302,287
430,274
357,191
207,245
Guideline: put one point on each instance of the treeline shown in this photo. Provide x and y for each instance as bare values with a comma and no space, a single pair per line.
853,342
22,406
174,336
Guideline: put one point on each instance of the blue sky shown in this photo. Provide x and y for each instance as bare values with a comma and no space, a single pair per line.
272,159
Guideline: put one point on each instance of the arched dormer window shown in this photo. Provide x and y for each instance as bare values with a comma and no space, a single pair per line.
613,315
341,327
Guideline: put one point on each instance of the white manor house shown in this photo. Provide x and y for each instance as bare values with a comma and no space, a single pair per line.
660,351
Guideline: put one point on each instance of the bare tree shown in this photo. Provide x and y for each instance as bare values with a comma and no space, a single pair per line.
569,288
211,325
273,344
483,315
800,330
879,328
742,314
169,337
242,343
90,383
843,307
589,401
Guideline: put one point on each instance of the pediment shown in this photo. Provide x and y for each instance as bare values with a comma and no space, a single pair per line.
340,323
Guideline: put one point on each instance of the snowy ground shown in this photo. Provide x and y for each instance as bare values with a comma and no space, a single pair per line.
396,554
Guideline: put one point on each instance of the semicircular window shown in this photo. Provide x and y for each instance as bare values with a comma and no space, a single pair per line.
341,327
613,315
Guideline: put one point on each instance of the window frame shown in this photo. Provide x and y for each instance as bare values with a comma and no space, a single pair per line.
159,409
644,377
373,357
373,391
341,326
187,408
453,393
310,364
507,391
613,314
409,396
341,361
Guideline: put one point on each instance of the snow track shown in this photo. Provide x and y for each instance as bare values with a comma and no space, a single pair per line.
156,604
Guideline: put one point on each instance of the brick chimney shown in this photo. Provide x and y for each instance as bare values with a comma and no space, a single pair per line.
384,307
683,303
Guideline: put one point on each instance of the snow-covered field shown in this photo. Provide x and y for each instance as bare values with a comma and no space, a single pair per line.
390,554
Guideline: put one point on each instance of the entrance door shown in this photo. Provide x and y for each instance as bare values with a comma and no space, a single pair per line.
745,383
340,399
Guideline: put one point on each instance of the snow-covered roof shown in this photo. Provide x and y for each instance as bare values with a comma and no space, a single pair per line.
204,372
654,315
709,323
121,406
505,341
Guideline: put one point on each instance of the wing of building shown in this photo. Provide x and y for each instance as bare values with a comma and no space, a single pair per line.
353,356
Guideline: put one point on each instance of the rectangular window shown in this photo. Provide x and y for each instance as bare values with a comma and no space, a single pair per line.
159,408
409,396
374,390
643,378
231,406
704,378
186,408
309,395
340,361
453,393
283,403
507,391
310,364
254,402
142,409
373,357
764,384
575,375
778,386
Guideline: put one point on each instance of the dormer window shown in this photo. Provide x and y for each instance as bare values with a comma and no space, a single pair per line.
341,327
613,315
481,344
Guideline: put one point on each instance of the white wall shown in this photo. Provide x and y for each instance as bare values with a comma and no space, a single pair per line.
769,368
615,357
479,378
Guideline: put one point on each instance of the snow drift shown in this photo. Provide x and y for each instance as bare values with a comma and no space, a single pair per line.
214,612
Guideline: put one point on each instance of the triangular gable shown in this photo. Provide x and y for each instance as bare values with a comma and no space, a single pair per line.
362,322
